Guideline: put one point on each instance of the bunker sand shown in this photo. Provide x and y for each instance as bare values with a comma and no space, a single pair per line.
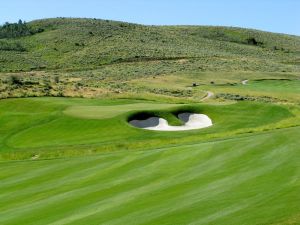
191,121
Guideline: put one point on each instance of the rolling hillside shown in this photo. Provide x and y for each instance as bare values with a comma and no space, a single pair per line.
76,44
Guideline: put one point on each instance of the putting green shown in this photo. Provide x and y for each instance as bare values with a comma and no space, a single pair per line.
104,112
40,126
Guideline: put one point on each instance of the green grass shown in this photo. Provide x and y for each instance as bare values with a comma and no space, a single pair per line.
104,112
244,180
275,86
284,90
78,161
52,127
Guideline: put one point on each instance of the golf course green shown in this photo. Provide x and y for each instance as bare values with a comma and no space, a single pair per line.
78,161
75,95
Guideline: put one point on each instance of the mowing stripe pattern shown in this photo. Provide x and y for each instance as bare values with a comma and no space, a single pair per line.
235,181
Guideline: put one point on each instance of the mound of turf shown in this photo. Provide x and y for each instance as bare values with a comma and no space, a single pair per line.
51,127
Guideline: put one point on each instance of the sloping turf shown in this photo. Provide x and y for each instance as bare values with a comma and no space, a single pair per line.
41,126
244,170
247,180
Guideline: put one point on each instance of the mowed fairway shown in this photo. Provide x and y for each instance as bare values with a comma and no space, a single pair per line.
72,169
250,180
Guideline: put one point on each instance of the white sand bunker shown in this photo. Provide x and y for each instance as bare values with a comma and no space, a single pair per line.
191,121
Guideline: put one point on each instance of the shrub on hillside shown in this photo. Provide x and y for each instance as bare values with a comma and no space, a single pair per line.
11,46
20,29
15,80
253,41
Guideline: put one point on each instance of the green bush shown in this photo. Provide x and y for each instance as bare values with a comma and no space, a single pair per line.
20,29
11,46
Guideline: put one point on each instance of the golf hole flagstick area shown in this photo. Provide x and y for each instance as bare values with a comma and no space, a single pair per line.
191,121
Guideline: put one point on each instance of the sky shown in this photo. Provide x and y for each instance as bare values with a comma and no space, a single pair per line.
281,16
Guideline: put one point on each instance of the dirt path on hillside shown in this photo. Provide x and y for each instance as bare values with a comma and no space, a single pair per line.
209,95
244,82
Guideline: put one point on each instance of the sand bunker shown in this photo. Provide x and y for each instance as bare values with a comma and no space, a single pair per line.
191,121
